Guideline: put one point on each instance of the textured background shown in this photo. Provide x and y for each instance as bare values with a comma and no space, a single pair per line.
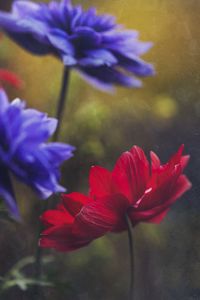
159,117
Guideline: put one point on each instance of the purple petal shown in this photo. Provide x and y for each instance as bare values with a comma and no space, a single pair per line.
69,60
28,42
59,39
136,65
112,38
3,100
22,8
102,86
58,152
8,22
98,57
108,75
86,37
81,39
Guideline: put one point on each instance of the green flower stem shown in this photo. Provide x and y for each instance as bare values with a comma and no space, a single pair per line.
130,239
62,102
59,115
37,293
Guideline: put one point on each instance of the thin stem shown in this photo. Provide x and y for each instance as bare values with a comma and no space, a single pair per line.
37,293
62,101
130,239
59,115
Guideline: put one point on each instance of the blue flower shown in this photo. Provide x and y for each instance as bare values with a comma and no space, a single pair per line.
24,153
101,50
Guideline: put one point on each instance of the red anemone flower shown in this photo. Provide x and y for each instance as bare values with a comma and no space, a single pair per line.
136,189
10,78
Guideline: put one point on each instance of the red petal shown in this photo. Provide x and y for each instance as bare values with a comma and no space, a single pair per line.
61,245
159,194
131,174
56,217
103,215
74,202
155,161
100,182
57,231
175,159
94,220
155,214
159,217
161,173
182,185
61,239
10,78
184,161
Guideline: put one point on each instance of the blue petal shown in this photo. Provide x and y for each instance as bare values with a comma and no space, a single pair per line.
39,29
68,60
75,19
108,75
45,128
24,153
81,39
85,18
140,48
58,152
22,8
3,101
66,3
96,83
8,22
115,38
59,39
18,103
28,42
136,65
85,37
57,13
104,23
22,32
45,175
98,57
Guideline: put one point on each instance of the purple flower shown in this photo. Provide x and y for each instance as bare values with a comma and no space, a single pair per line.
24,153
101,50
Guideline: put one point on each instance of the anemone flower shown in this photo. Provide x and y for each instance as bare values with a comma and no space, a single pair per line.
134,190
101,50
10,78
25,154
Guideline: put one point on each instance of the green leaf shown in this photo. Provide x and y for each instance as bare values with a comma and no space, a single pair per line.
16,276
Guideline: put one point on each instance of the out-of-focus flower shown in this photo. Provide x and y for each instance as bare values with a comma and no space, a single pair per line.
10,78
101,50
134,188
24,153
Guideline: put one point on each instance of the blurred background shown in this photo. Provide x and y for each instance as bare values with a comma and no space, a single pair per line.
162,115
